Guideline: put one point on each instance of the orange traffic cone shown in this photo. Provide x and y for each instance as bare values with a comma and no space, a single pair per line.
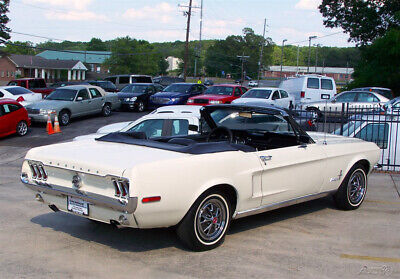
56,125
49,127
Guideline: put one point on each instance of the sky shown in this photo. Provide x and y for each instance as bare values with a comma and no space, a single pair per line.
164,20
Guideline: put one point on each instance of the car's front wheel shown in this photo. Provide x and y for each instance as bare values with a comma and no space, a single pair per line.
106,111
205,225
141,106
22,128
65,118
353,189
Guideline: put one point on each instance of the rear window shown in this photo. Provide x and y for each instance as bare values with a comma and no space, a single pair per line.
18,90
385,93
123,80
326,84
141,79
313,83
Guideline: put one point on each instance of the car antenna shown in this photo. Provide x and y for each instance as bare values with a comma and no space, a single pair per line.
326,105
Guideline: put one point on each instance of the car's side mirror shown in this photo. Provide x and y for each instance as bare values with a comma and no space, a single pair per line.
78,99
193,128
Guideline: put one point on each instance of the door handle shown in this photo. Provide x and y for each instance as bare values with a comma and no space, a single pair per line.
265,159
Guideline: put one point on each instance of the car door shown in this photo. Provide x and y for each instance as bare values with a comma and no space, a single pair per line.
285,100
97,100
82,103
290,172
365,100
4,121
275,98
8,122
346,98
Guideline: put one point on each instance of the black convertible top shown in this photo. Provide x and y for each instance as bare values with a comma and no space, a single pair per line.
182,145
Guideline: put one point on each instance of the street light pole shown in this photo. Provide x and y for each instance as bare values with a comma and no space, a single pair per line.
309,51
283,44
316,57
261,53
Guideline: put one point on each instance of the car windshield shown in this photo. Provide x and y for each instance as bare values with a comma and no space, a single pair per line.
134,88
348,128
257,93
62,94
181,88
18,90
251,121
219,90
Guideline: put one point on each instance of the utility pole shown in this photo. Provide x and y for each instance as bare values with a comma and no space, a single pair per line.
242,58
198,54
261,53
283,45
185,66
298,52
309,51
316,57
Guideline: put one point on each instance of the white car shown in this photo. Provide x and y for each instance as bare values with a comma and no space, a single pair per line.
266,95
253,83
20,94
309,88
166,121
245,161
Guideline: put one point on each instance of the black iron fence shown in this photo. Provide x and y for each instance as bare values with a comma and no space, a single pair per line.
370,123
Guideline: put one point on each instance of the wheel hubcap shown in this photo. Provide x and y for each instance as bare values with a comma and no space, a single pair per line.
22,128
65,118
211,220
107,110
141,106
356,187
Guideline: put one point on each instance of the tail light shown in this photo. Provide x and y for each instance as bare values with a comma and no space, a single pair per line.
20,99
121,187
38,171
302,94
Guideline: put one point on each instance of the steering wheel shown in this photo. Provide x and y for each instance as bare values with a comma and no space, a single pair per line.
220,133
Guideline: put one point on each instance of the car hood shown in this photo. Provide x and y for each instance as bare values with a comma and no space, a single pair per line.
98,157
122,95
212,97
170,94
319,137
48,104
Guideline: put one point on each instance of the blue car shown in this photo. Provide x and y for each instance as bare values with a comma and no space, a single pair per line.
176,94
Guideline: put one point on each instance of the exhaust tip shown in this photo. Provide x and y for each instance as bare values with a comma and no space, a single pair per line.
53,207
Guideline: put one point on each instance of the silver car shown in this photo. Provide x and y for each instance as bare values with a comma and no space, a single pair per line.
74,101
351,101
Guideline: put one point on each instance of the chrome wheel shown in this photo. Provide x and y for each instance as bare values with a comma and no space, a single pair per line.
64,118
211,220
356,187
141,106
22,128
106,110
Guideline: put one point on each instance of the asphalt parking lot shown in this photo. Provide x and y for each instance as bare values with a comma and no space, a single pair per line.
310,240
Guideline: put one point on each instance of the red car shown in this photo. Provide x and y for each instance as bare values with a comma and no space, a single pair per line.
13,118
218,94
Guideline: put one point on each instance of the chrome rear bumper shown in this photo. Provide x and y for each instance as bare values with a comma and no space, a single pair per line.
126,205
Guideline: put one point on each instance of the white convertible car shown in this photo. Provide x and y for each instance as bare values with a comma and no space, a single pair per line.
246,160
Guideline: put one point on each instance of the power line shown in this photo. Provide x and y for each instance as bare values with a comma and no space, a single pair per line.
36,36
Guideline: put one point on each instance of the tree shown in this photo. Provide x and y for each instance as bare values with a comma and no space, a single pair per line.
131,56
4,30
18,47
96,44
222,56
378,66
364,20
162,65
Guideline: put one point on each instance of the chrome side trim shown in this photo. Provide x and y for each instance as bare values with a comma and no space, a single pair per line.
127,205
274,206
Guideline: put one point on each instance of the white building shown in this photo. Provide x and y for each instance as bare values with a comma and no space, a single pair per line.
173,63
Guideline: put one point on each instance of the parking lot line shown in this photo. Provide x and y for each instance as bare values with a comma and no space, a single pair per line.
368,258
383,202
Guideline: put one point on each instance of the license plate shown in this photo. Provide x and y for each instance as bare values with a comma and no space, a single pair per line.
78,206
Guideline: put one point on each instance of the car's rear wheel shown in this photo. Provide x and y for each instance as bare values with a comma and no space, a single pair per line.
106,111
64,117
353,189
205,225
316,111
22,128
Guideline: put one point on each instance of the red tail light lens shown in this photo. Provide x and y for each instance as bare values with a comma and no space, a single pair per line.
20,99
151,199
302,94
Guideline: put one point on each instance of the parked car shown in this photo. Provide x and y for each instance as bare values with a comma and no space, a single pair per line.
37,85
383,130
176,94
13,118
247,160
171,120
136,96
267,95
208,82
121,81
20,94
309,88
167,80
253,83
353,101
66,83
218,94
108,86
385,92
74,101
